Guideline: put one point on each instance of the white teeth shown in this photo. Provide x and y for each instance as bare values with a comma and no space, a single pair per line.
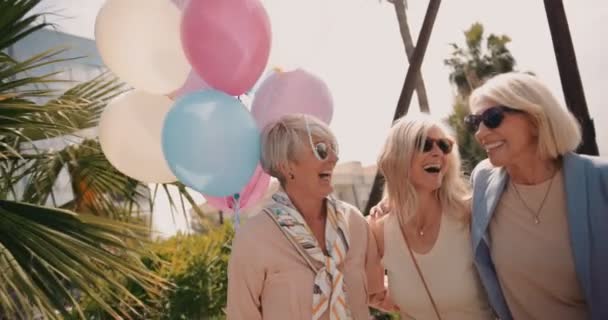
493,145
325,175
432,166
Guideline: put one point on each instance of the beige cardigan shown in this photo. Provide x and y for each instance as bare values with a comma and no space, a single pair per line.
268,279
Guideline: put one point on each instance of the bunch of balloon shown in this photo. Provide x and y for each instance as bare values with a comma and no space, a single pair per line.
186,61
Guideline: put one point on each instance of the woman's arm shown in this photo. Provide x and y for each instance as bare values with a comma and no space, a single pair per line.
378,296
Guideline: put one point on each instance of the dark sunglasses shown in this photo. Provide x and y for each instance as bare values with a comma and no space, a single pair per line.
445,145
321,150
491,118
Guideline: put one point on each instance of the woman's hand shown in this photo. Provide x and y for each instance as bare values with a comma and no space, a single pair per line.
380,210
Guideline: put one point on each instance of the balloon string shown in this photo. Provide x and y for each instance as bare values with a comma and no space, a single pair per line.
237,208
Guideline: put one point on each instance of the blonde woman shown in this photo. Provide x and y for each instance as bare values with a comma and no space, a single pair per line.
540,212
306,255
424,241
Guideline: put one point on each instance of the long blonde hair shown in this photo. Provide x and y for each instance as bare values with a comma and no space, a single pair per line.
396,159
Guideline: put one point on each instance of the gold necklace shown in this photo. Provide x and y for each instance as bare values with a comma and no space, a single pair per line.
420,230
535,215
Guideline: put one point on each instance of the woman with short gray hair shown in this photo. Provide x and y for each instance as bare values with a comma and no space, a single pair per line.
305,256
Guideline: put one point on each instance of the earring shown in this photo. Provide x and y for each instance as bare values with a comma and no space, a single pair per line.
291,176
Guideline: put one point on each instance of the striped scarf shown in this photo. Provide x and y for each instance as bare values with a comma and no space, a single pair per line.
328,289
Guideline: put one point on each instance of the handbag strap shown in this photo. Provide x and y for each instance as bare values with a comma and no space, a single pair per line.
415,261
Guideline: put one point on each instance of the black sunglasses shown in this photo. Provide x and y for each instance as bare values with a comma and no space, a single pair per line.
445,145
491,118
321,150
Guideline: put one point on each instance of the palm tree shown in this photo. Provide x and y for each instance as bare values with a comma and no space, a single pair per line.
50,255
471,64
478,59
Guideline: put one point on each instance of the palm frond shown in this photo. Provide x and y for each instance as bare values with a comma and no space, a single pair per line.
15,75
102,190
21,119
183,191
16,22
41,176
55,252
78,108
83,104
97,186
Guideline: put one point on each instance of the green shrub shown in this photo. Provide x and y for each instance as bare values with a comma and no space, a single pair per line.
197,267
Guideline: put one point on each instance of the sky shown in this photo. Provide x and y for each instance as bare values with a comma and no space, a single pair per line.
355,47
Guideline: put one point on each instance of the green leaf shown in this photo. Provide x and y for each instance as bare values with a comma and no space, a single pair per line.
16,22
56,251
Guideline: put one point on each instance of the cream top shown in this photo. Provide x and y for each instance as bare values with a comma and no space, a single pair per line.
448,270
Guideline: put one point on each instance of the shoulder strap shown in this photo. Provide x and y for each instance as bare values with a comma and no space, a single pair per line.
294,243
426,287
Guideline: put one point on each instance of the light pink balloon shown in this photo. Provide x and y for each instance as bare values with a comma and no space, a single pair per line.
291,92
227,42
251,193
193,83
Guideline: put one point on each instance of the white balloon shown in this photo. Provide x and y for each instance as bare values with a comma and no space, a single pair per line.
130,131
139,40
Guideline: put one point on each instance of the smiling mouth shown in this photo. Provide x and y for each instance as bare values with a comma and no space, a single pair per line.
493,145
325,175
432,168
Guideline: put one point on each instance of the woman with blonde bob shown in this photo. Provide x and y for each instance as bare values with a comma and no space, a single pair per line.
306,255
540,212
424,240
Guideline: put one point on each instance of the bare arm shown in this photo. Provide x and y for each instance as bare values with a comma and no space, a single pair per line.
378,296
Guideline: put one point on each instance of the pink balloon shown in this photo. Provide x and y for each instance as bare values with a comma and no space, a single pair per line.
251,193
193,83
291,92
227,42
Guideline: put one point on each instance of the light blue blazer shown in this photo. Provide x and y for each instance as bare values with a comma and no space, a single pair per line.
586,183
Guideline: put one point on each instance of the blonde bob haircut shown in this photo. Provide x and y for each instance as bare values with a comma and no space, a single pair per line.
558,130
395,163
285,138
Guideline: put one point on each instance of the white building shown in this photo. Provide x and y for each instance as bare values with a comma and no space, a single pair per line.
85,68
353,183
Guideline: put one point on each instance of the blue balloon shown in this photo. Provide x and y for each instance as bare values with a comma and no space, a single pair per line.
211,142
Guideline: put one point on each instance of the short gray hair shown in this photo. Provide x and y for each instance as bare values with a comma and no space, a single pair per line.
283,139
558,130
